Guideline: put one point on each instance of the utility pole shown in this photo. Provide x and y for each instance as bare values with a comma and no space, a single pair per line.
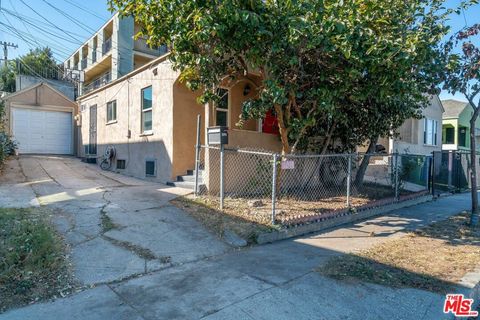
5,49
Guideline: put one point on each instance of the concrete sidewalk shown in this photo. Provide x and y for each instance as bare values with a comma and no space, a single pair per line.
275,281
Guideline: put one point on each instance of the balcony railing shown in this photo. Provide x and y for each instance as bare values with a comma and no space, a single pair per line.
97,83
140,44
84,63
107,46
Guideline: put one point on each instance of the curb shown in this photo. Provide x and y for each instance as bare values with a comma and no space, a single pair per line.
470,287
299,230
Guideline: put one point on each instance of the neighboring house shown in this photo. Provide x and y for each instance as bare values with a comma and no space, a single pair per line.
109,54
456,126
150,119
418,136
41,120
65,87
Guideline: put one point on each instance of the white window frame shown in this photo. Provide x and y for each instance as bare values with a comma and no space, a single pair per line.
111,104
144,111
225,110
430,132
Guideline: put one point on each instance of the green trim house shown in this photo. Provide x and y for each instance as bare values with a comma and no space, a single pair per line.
456,126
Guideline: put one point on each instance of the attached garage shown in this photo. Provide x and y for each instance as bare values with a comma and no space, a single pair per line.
41,120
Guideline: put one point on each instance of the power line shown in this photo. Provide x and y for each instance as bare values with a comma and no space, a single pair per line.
47,32
80,24
26,28
29,39
33,20
85,10
57,70
49,22
5,49
38,27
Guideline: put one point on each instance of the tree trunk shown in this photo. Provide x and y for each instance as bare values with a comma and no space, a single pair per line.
473,170
282,130
364,165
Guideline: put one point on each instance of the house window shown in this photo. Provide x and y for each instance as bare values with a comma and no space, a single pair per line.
150,168
121,164
462,136
449,135
222,108
430,132
147,110
112,111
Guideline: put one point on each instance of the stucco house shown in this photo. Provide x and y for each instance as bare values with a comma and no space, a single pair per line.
41,120
419,136
149,117
456,126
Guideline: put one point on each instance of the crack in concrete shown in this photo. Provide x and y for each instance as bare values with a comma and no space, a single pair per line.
48,174
127,302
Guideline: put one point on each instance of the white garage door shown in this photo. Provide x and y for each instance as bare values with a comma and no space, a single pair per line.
38,131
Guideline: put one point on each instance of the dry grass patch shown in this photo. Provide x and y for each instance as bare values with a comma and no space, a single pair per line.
33,263
217,221
306,203
432,258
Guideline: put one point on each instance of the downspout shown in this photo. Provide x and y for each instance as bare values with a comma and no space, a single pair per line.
129,134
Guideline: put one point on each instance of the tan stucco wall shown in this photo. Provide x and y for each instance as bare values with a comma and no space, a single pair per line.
40,97
236,99
138,148
249,135
185,111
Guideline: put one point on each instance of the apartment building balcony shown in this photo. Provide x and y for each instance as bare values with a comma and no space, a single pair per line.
107,46
97,83
140,45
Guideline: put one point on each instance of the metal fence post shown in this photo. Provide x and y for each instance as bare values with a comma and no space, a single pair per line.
397,182
197,155
349,178
274,186
433,169
222,151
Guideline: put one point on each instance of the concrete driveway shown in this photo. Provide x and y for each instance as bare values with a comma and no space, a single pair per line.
116,226
157,263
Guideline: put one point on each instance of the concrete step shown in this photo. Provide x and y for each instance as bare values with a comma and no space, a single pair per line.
182,184
189,178
192,172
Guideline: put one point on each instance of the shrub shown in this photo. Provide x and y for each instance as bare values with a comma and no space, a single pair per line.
7,146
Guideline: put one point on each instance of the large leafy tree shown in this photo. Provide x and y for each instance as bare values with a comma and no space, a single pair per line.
37,62
347,71
464,77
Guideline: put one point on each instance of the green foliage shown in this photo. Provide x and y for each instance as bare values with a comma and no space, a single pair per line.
7,145
7,77
32,263
347,70
39,61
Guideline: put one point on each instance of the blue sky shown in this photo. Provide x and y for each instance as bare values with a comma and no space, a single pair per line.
92,14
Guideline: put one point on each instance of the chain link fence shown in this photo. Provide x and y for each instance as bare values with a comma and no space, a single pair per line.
272,189
451,171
